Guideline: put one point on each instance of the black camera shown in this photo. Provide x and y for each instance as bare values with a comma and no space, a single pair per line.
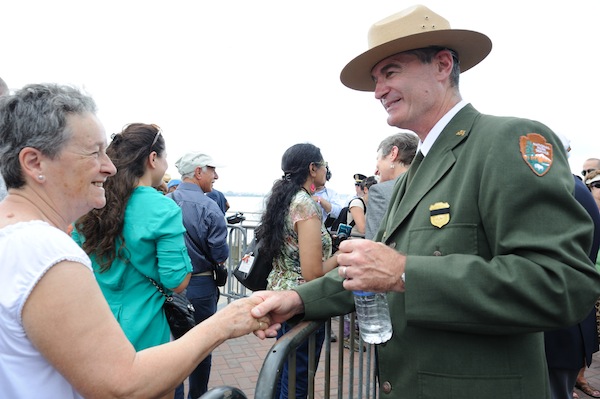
237,218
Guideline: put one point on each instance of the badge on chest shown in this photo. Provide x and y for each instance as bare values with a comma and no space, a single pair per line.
439,214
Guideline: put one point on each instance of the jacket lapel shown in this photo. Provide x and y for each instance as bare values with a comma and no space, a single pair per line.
431,169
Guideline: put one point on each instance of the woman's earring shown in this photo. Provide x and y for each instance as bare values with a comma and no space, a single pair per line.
41,177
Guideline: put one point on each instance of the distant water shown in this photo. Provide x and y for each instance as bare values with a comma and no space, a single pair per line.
245,204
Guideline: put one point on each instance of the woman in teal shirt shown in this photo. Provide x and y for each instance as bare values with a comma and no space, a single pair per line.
138,234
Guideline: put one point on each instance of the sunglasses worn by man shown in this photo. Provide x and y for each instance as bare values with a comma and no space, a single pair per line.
586,171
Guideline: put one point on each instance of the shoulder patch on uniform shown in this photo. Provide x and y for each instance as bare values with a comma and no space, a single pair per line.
536,152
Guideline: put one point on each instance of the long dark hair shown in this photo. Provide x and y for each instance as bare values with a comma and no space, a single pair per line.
295,164
102,228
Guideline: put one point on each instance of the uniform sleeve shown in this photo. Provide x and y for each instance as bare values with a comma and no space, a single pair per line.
325,297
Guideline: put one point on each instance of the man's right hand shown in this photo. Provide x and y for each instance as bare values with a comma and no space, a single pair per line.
279,306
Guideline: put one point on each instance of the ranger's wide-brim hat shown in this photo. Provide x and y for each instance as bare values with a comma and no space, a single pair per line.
414,28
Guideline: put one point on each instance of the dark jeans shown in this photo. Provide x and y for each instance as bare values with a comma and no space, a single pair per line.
562,382
203,293
301,365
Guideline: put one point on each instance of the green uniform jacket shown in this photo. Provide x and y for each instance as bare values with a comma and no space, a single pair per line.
496,250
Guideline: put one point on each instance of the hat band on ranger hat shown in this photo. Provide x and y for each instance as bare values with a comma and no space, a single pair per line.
414,28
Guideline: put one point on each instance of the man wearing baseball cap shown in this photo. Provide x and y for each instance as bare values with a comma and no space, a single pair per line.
206,241
483,246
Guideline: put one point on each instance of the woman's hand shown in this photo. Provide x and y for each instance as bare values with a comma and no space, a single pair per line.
237,319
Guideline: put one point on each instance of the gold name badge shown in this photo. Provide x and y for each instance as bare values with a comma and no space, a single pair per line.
439,214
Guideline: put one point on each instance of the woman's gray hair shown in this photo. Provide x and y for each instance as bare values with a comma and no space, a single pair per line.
36,116
407,146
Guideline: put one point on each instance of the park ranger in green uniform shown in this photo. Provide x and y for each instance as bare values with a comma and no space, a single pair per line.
483,246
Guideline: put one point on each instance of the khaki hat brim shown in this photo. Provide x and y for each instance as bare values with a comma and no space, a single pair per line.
472,47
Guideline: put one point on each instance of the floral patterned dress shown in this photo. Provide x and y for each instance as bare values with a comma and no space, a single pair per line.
286,273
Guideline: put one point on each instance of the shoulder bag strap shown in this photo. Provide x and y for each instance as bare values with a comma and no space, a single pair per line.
158,287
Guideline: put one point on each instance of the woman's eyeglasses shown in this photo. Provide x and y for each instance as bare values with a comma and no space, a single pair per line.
595,184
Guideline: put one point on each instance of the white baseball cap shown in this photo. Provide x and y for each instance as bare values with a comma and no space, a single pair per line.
190,161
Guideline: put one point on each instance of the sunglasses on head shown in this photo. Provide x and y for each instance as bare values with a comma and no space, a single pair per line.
586,171
595,184
158,133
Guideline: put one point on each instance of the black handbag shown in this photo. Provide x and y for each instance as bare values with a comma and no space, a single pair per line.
221,275
178,310
254,268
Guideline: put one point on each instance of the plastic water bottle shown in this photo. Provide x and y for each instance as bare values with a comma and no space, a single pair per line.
373,316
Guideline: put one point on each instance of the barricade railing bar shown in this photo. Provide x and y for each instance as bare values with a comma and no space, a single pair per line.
224,392
351,375
237,239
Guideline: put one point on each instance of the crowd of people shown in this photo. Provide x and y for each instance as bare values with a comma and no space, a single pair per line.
488,270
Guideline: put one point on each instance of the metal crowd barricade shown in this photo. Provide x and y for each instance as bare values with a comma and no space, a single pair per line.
347,384
238,238
224,392
351,375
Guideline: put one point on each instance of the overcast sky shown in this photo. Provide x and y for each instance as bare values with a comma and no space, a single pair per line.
244,80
